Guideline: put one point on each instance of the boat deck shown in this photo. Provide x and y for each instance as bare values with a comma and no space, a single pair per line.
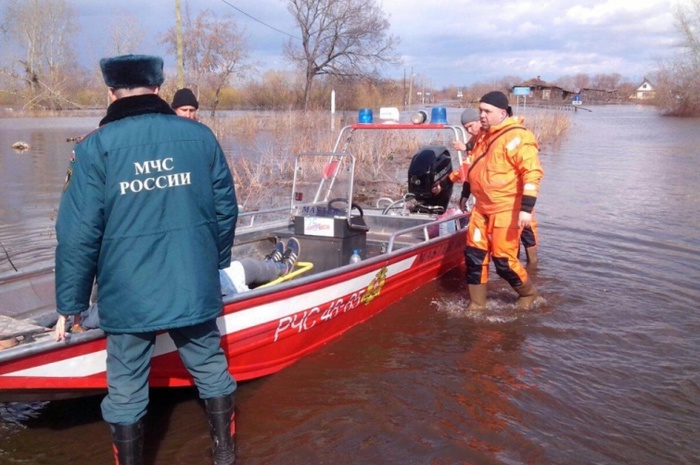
28,303
21,330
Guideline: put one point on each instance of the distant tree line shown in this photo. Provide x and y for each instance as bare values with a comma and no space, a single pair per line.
341,46
618,89
677,82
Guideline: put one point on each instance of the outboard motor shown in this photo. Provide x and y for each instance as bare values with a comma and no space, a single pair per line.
431,165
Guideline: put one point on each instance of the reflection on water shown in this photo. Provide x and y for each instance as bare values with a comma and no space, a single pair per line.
604,370
31,186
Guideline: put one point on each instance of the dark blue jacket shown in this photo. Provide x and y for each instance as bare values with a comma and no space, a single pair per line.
149,208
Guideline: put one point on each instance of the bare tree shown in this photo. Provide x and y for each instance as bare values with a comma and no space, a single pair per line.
626,89
276,90
341,38
41,31
677,85
214,51
507,83
688,24
127,33
606,81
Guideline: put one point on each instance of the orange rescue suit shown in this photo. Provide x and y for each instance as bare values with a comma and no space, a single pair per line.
504,176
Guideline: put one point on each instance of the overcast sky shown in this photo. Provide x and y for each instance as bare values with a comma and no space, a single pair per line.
448,42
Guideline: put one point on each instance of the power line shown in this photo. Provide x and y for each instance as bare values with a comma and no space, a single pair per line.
261,22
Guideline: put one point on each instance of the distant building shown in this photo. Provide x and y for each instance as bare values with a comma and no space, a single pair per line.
599,95
552,94
544,91
645,91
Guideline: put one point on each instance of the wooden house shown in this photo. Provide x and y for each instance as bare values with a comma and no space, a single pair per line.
645,91
546,92
553,94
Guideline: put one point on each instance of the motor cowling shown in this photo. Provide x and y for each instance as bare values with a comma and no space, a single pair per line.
430,166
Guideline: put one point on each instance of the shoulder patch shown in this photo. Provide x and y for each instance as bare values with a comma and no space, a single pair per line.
514,142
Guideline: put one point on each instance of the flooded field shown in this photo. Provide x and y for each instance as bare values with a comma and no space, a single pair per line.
604,371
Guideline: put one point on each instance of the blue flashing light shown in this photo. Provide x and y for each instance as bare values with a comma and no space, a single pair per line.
438,115
365,116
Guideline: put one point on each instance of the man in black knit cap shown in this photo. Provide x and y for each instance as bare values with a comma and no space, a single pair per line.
504,176
185,104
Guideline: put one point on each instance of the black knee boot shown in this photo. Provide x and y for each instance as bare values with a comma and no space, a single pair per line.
128,443
222,426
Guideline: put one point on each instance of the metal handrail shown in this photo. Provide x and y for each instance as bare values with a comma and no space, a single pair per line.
254,214
328,183
424,228
457,130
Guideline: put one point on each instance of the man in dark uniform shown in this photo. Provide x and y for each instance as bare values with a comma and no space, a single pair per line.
149,209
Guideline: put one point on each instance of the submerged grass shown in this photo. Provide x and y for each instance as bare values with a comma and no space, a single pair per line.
549,127
262,151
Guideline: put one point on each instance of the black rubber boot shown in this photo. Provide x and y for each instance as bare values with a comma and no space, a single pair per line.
222,427
128,443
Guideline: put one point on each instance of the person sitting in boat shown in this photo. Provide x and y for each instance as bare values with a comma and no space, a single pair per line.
239,277
249,272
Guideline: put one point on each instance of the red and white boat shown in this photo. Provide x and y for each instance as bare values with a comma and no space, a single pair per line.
403,244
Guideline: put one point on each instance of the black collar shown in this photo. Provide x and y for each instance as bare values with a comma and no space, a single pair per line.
136,105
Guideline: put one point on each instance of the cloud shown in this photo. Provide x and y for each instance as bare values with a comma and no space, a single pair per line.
461,42
450,42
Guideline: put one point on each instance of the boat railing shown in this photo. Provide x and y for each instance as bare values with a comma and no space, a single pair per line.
43,341
430,230
264,220
333,186
25,275
458,132
256,219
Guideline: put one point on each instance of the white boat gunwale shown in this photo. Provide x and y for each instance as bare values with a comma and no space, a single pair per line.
40,346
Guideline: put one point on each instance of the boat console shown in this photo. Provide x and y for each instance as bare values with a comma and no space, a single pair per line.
328,225
328,241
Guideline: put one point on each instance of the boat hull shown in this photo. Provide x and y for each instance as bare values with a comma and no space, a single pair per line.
263,331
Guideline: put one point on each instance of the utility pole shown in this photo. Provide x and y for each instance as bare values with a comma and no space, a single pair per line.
404,89
180,46
410,88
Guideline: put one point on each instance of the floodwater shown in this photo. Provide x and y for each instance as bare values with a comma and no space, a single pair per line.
604,371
